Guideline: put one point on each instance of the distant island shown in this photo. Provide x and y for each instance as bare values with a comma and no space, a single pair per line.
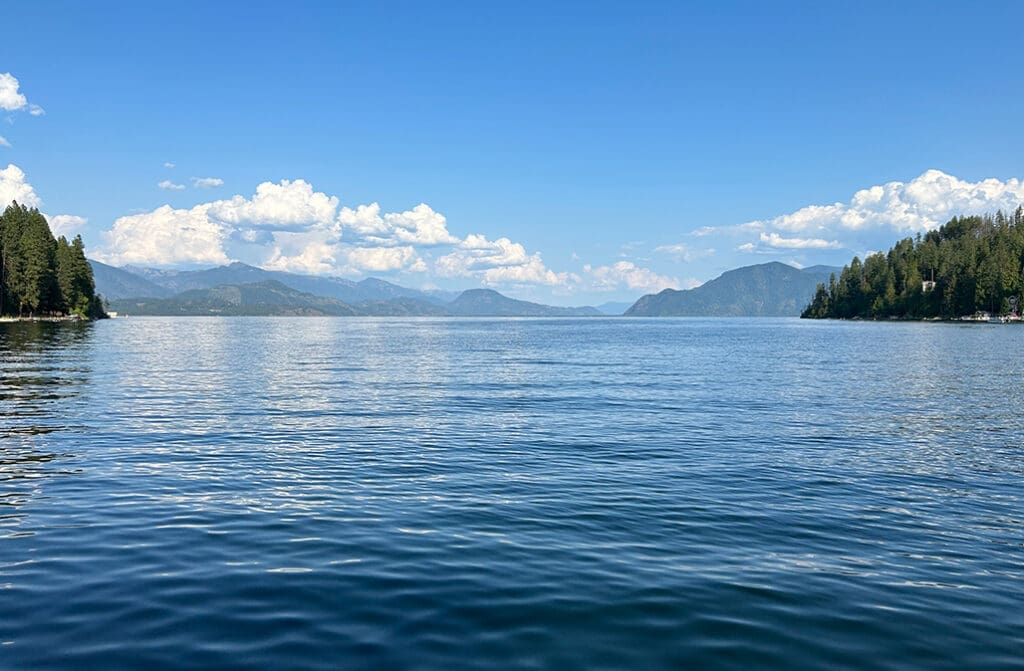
43,276
970,266
765,290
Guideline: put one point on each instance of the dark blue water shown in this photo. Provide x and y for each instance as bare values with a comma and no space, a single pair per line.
510,494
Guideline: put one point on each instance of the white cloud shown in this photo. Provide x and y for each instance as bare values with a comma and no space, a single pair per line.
384,259
14,186
312,258
285,225
925,202
11,99
532,272
749,227
628,274
747,247
420,226
168,164
779,242
497,262
4,142
207,182
168,185
288,205
476,252
164,236
65,224
290,226
685,253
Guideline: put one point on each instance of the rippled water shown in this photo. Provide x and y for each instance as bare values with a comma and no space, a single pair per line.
598,493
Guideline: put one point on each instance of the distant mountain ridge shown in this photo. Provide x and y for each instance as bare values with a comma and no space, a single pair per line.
489,303
272,298
348,291
765,290
113,283
269,298
241,289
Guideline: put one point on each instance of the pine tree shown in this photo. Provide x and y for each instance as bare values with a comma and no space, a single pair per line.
39,290
39,274
969,264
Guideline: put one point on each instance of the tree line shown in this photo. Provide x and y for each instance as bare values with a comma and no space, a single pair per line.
969,265
41,275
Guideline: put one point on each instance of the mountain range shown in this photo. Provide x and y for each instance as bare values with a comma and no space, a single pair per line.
765,290
241,289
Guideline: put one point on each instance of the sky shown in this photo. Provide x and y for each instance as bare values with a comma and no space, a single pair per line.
573,153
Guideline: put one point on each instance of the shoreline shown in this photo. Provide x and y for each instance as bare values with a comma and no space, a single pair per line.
12,320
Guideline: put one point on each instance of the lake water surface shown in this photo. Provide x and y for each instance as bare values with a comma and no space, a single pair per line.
509,494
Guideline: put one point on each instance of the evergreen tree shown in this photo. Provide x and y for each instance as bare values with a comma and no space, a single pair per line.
970,264
41,275
39,249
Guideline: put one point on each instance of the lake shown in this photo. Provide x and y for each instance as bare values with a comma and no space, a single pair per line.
219,493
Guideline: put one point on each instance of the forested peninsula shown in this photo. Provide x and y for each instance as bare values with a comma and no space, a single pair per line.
969,266
43,276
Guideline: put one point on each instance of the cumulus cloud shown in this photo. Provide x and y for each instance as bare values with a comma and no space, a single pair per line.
11,99
420,226
284,225
313,257
629,275
207,182
384,259
168,164
873,216
289,205
168,185
779,242
14,186
164,236
290,226
925,202
65,224
497,262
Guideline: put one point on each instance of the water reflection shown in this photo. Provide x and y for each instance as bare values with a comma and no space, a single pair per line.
419,492
45,371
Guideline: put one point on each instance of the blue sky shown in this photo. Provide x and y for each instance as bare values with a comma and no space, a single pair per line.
574,153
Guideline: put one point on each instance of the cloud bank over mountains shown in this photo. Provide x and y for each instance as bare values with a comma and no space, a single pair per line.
288,225
291,226
881,212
